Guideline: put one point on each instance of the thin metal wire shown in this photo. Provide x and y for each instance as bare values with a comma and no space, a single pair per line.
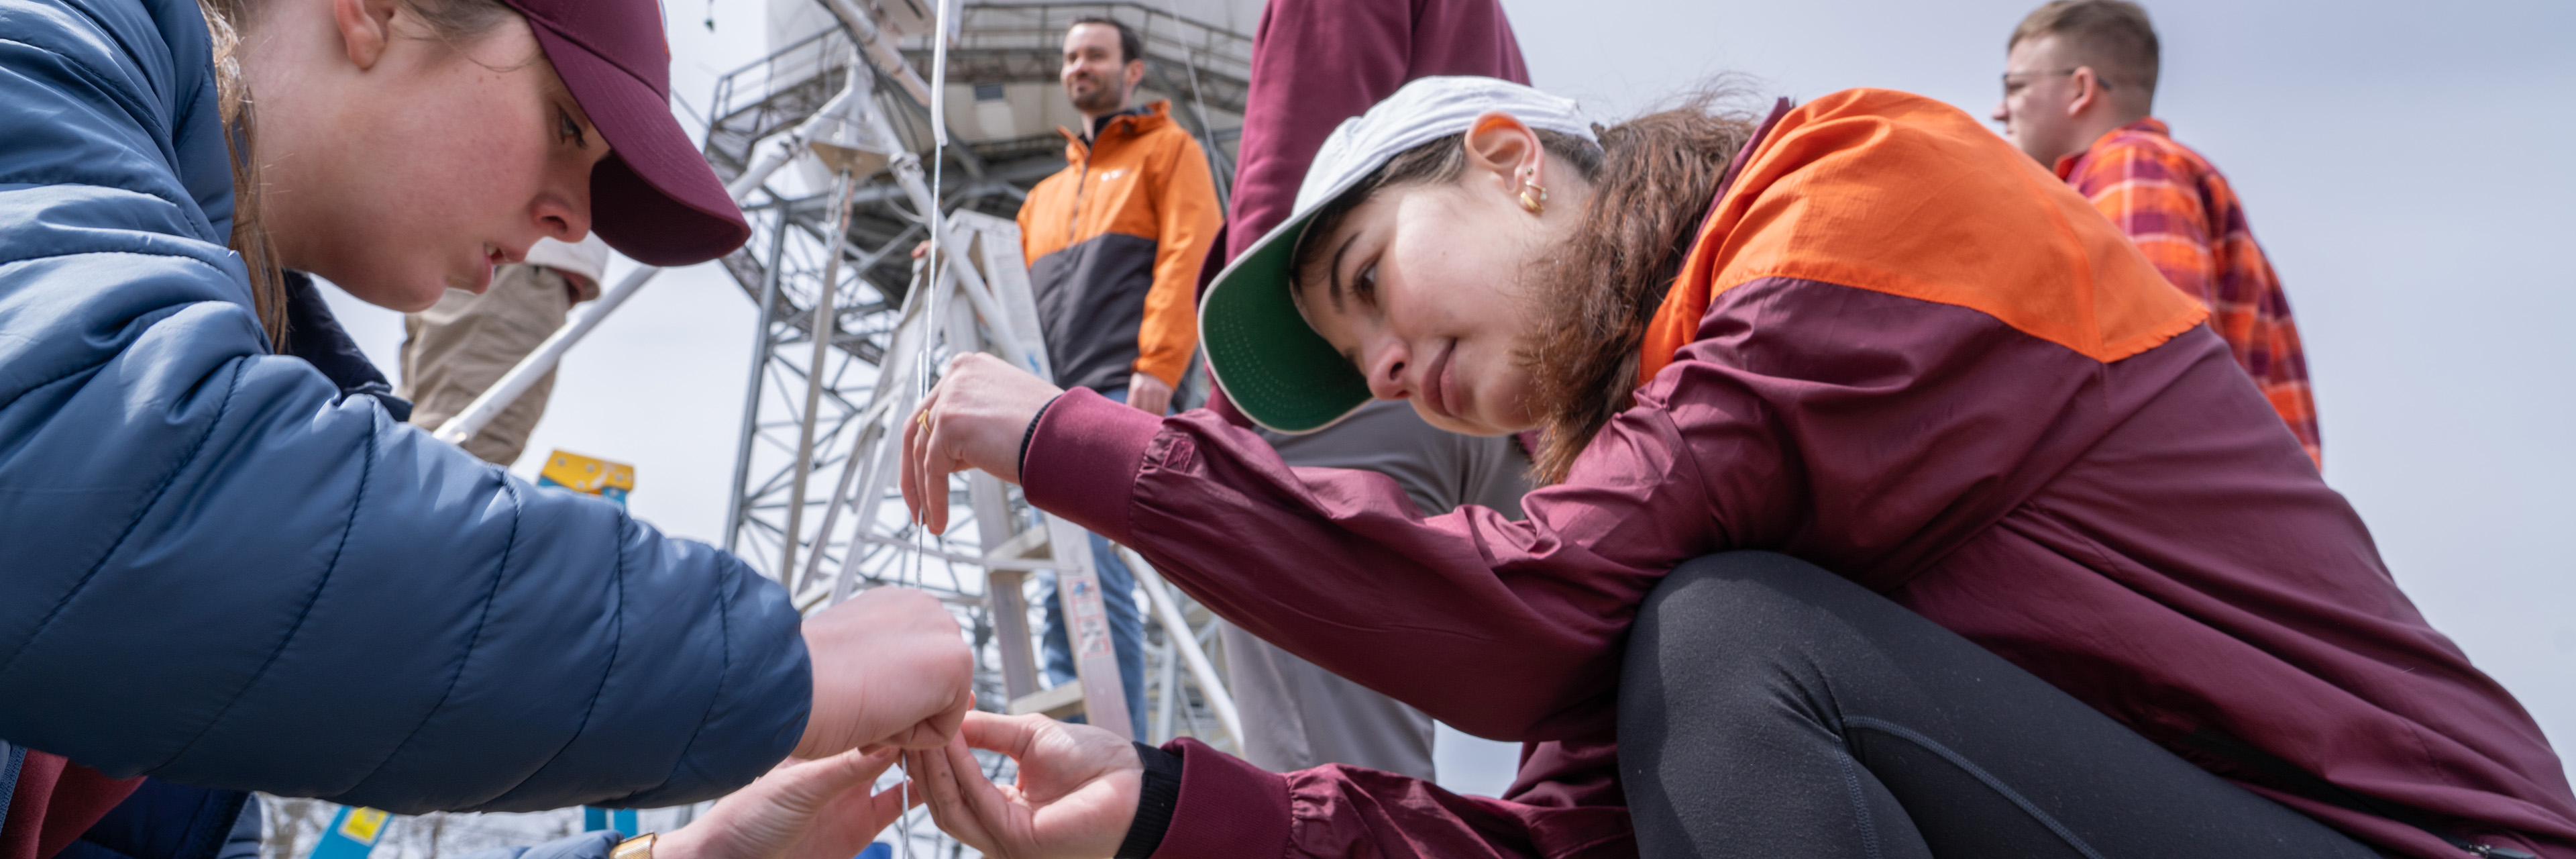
930,323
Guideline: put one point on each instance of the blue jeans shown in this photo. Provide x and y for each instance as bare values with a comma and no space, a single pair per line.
1126,626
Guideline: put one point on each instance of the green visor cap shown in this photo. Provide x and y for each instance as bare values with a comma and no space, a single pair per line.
1278,371
1274,366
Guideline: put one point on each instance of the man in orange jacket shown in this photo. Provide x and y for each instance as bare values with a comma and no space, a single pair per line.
1114,244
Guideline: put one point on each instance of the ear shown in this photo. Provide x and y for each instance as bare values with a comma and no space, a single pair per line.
2089,91
1135,74
1499,145
366,29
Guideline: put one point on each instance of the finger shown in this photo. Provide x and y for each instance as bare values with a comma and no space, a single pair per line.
917,460
942,465
924,451
872,813
905,478
920,735
1009,735
844,826
937,782
819,782
945,724
982,797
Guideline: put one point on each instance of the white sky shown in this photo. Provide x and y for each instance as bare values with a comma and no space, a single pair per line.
2404,165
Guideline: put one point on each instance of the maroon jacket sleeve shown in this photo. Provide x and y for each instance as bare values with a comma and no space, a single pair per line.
1869,450
1507,627
1230,809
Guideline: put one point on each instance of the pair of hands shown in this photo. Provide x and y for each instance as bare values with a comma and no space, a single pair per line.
891,672
1078,785
1075,798
820,809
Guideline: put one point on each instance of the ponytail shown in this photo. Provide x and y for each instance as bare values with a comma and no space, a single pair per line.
1598,291
250,235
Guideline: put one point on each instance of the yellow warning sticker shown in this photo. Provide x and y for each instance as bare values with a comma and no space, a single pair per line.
363,824
588,474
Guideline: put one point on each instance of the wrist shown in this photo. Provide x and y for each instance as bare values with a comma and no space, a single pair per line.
653,845
817,740
1031,433
1158,792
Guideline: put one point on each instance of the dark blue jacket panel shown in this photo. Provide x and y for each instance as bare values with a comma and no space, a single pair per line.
315,335
217,570
243,843
161,820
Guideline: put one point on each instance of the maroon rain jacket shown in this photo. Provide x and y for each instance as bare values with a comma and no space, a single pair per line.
1909,355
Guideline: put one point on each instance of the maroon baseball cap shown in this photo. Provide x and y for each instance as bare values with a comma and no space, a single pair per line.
654,198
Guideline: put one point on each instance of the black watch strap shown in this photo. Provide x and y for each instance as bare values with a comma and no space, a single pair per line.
1031,433
1154,803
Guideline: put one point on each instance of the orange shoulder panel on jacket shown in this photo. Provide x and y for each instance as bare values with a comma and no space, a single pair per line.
1901,194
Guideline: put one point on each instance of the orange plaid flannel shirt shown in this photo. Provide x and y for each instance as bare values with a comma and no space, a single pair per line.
2176,207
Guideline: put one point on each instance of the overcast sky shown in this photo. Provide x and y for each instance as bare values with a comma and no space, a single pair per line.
2405,165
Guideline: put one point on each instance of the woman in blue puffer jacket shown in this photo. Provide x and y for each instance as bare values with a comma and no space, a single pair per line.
218,568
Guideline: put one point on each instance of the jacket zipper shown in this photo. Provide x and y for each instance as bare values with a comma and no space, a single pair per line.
1082,179
1081,183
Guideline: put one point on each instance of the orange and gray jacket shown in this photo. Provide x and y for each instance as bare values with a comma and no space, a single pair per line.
1114,245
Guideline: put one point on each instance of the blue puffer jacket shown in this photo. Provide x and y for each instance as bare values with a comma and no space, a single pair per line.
217,570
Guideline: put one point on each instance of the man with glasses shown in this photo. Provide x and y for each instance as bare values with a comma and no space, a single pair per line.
2079,85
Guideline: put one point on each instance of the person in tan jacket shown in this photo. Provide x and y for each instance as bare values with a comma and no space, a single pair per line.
459,347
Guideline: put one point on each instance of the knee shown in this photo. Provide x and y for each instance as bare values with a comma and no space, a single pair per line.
1723,626
1720,603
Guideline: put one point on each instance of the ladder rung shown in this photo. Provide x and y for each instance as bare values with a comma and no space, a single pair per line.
1056,702
1021,546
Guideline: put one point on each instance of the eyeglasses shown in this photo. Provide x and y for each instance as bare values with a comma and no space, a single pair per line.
2015,81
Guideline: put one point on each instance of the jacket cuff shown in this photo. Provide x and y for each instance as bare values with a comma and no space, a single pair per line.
1168,370
1229,809
1083,460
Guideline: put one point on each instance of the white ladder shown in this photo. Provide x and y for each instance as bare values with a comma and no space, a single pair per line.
982,302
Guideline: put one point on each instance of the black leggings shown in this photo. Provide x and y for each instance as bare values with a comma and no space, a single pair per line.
1771,708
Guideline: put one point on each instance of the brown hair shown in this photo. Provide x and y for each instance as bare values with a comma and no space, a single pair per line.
451,20
1652,178
2112,35
1131,47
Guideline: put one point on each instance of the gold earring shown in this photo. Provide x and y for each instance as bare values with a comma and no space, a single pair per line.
1535,204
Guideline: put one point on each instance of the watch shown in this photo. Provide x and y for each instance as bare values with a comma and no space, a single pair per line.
638,847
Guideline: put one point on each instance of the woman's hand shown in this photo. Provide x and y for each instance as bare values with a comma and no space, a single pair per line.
890,668
1075,797
802,810
975,418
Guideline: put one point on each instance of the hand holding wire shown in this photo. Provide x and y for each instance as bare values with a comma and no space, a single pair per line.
890,668
974,418
817,809
1075,796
